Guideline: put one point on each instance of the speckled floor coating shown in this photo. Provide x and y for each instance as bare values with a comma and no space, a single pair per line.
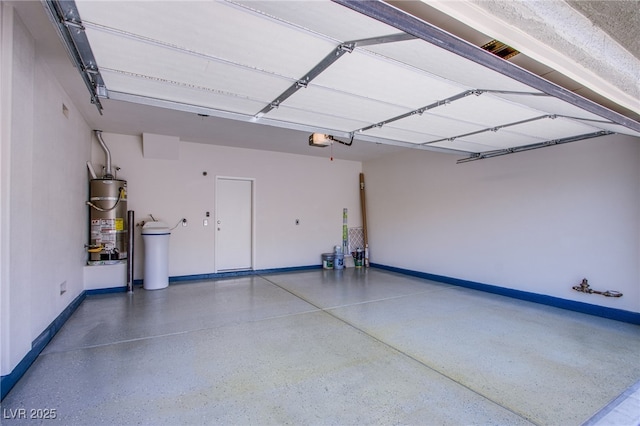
330,347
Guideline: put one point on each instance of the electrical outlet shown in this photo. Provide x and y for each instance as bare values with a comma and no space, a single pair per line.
63,287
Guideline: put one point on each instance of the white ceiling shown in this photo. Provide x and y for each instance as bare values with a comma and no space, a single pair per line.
204,71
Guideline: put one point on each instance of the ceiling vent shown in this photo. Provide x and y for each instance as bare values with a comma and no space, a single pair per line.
500,49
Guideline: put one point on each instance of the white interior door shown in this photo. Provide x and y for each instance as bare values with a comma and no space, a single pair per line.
234,224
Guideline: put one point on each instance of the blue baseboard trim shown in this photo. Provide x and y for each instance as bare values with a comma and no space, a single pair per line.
571,305
213,276
291,269
218,275
108,290
9,381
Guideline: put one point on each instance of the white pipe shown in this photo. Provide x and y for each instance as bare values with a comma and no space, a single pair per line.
91,171
107,153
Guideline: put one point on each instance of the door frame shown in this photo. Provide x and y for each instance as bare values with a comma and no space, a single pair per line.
253,221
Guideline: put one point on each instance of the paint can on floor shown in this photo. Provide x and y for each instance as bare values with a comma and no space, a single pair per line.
327,260
358,258
338,262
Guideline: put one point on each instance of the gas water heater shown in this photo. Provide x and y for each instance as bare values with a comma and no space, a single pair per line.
108,215
108,221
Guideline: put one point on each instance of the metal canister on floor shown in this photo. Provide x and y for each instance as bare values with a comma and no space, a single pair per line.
327,260
358,258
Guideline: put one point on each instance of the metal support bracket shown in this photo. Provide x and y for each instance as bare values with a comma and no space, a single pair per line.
421,110
490,129
499,152
337,53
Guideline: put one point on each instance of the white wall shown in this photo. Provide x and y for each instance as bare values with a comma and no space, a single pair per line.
288,187
538,221
43,194
17,95
61,149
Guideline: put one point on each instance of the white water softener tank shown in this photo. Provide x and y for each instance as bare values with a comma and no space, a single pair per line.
156,255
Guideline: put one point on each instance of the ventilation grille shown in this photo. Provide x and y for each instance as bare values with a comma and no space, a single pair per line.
356,239
500,49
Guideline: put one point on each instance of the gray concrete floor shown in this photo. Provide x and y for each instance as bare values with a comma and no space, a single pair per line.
359,346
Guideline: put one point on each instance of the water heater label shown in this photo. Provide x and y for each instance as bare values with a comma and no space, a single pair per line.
119,224
96,232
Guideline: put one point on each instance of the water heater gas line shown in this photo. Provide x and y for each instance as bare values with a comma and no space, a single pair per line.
121,195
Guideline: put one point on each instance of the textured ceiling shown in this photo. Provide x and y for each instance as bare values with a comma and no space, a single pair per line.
619,19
